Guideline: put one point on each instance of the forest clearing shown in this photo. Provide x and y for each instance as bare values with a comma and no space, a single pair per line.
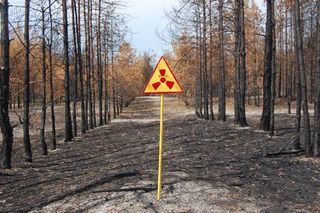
207,167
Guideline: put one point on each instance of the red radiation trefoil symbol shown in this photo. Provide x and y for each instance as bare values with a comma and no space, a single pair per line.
163,80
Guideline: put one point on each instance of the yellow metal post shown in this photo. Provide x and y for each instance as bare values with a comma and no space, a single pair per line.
160,145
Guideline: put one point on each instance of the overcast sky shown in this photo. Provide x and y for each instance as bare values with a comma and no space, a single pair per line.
148,17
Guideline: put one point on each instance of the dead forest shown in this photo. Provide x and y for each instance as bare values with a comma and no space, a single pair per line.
67,70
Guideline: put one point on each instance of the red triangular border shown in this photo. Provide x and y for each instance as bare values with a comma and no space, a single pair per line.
154,70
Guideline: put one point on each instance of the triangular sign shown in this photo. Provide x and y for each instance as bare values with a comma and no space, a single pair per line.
162,80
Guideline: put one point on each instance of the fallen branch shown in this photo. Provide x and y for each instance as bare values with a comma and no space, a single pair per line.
282,152
275,154
291,139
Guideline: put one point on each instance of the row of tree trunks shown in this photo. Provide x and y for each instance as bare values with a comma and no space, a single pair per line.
87,84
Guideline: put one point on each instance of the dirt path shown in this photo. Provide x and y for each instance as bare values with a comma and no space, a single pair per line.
208,167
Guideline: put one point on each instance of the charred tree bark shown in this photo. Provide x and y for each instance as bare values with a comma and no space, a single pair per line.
99,65
288,75
106,74
211,62
296,142
87,68
26,90
76,65
243,73
44,89
240,111
204,63
53,118
273,75
68,123
90,67
316,142
266,112
6,129
78,29
300,54
93,83
198,96
222,89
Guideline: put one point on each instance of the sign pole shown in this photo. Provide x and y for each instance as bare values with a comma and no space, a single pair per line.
162,81
160,145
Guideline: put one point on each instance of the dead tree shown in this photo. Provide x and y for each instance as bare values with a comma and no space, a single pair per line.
267,76
78,29
76,65
99,65
88,110
240,65
106,73
211,62
6,129
287,73
53,119
26,90
316,142
68,123
273,74
301,73
222,84
44,92
204,62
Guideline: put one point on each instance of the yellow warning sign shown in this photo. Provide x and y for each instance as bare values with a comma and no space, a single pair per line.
162,80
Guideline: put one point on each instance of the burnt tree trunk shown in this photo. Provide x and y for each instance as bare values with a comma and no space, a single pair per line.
78,29
273,74
6,129
26,90
198,96
68,123
240,115
288,73
53,118
44,90
99,65
90,67
301,70
106,73
266,112
204,62
93,83
316,142
211,62
222,89
75,73
87,68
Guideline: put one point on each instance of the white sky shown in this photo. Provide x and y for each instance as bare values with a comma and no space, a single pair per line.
148,17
